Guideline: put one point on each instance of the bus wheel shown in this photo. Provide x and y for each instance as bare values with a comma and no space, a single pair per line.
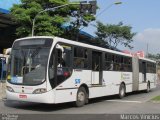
81,97
122,91
148,88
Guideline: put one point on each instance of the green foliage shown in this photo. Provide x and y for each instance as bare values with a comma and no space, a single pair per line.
115,34
154,56
46,23
89,17
157,98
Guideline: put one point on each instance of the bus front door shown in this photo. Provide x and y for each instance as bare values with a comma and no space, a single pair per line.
96,68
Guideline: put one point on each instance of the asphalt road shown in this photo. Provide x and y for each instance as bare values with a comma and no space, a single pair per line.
137,103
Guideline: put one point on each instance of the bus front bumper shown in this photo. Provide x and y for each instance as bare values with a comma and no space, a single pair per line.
47,97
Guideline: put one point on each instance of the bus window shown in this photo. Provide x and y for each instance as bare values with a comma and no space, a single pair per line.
109,62
80,57
64,62
127,64
151,67
96,61
60,67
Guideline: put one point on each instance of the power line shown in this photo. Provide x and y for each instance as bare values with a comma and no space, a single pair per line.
104,10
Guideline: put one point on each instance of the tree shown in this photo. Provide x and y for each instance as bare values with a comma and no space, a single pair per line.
47,23
154,56
114,34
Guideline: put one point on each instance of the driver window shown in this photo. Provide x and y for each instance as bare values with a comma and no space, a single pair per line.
60,65
64,64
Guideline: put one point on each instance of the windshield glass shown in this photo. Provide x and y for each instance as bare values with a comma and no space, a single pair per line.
29,61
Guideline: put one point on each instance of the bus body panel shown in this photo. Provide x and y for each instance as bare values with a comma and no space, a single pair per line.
129,88
135,70
26,89
150,77
47,97
141,78
95,92
116,78
77,78
143,86
111,83
152,85
65,95
68,89
95,77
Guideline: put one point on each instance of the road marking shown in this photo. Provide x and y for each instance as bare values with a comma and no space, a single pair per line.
125,101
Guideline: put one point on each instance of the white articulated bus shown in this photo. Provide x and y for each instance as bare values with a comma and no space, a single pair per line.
56,70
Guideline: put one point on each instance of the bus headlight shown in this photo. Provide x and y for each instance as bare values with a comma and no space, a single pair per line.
39,91
9,89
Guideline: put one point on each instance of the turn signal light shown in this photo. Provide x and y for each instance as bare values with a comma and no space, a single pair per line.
9,89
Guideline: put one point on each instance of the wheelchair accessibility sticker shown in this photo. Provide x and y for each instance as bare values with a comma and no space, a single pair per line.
77,81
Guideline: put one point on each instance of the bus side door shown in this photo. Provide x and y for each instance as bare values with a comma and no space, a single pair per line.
143,71
96,67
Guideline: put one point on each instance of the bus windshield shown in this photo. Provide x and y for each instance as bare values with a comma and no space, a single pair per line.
29,61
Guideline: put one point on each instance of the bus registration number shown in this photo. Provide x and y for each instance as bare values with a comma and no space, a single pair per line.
23,96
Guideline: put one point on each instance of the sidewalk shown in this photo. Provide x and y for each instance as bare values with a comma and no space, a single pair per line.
2,90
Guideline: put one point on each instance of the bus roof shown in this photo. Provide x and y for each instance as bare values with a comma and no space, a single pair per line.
34,37
89,46
146,59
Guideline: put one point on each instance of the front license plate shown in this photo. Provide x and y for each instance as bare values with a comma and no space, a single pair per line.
23,96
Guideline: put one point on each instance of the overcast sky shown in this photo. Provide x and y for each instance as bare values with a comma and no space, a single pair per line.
142,15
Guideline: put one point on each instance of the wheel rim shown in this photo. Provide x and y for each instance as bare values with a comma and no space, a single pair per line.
148,88
81,96
122,91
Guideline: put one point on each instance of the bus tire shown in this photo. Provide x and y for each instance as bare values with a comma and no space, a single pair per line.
148,88
122,91
81,97
87,99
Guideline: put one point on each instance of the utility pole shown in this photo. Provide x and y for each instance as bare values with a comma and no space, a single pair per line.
85,7
147,51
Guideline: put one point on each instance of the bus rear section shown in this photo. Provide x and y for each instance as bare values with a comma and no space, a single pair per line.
144,74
